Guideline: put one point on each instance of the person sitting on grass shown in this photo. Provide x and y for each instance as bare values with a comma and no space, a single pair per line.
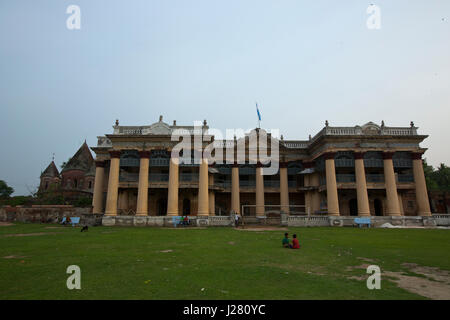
295,243
285,241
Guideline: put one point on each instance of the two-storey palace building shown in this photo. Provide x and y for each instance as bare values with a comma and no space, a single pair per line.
369,170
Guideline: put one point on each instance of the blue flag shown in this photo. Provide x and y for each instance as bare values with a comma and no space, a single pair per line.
257,111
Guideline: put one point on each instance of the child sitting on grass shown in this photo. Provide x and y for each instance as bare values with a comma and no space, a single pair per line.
295,243
285,241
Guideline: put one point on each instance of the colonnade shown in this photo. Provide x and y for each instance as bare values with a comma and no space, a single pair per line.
206,197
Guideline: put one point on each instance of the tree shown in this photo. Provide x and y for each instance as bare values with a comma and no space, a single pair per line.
442,177
5,190
437,179
429,176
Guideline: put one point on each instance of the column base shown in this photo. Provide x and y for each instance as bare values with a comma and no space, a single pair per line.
110,214
142,214
364,214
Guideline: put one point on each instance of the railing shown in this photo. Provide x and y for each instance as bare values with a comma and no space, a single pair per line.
272,183
344,163
129,130
345,178
373,163
158,177
222,183
405,178
296,145
351,131
402,163
375,177
341,131
159,162
129,162
129,177
247,171
399,131
188,177
247,183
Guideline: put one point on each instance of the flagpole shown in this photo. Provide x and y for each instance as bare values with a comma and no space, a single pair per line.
259,116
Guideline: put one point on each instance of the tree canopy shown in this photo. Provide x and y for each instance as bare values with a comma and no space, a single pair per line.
437,179
5,190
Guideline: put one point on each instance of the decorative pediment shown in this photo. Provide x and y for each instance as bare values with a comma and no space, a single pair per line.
158,128
371,128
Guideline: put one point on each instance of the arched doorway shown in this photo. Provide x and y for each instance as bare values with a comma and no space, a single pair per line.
162,206
186,207
378,207
353,205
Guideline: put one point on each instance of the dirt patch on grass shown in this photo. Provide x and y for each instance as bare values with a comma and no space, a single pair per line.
31,234
432,273
363,266
5,224
13,257
366,259
422,286
430,282
319,271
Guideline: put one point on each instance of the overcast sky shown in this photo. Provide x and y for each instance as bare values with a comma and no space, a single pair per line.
303,61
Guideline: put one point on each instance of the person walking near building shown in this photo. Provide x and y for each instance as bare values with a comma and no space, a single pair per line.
236,220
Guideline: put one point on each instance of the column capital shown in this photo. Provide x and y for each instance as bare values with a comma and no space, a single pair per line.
115,153
416,155
235,165
329,155
259,165
144,154
99,163
358,155
388,155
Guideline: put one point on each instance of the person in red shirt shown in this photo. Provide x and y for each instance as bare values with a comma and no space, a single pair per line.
295,243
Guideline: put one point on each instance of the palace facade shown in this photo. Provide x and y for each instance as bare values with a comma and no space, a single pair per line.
369,170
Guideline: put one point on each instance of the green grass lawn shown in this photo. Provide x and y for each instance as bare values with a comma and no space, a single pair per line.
213,263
